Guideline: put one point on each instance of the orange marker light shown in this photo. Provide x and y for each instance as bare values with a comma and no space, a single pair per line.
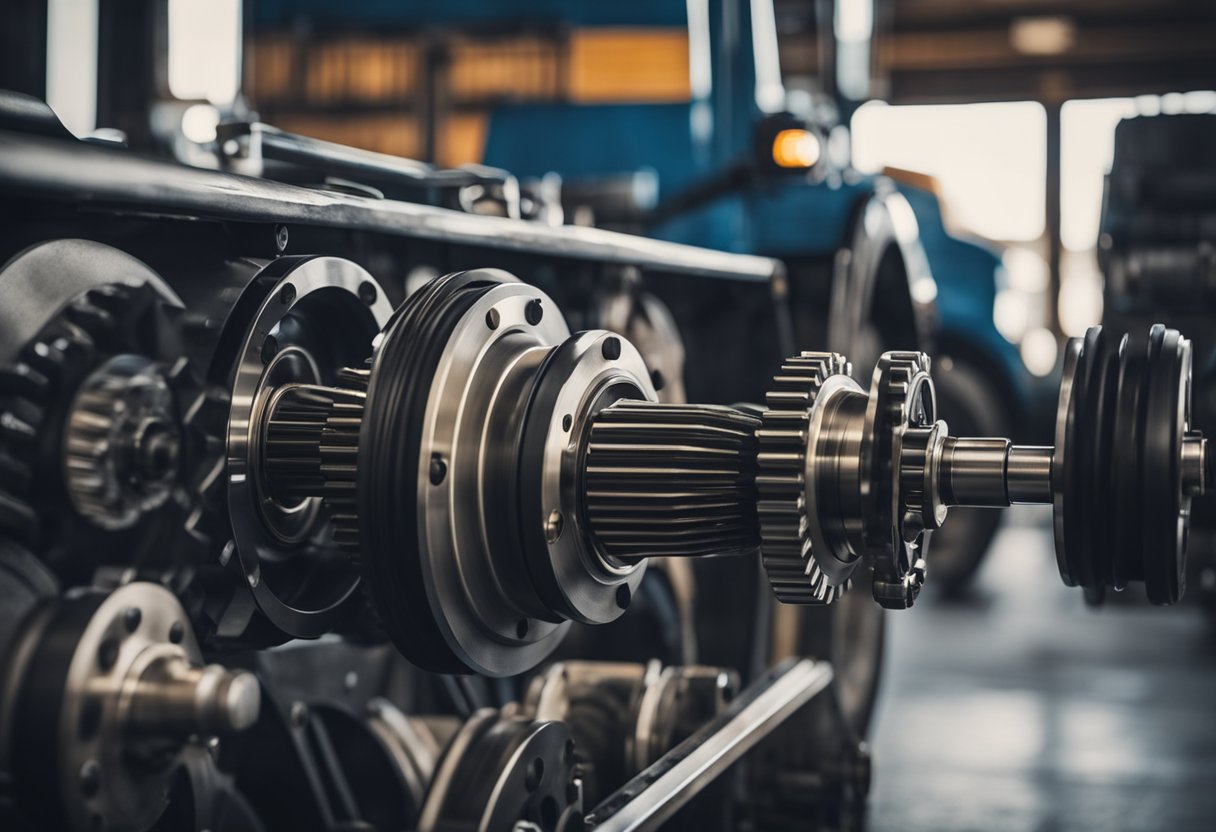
795,148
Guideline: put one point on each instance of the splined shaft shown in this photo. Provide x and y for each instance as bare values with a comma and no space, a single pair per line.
671,480
311,448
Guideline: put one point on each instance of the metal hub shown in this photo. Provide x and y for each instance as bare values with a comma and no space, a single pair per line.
121,442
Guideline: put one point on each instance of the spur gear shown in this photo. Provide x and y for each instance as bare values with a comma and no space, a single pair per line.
122,442
798,572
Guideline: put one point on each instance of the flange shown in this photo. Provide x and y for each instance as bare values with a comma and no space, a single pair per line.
301,320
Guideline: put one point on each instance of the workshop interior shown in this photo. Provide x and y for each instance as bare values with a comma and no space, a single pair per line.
580,416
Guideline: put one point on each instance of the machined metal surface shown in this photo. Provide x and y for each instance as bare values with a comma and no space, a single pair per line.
652,797
671,480
309,312
120,683
482,372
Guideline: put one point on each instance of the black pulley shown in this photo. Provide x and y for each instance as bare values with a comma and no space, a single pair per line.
1122,491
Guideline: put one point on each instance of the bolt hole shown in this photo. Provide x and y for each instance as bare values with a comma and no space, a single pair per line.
534,312
90,718
107,653
536,770
368,293
567,422
623,596
548,813
270,348
611,348
177,632
287,294
568,753
439,469
131,619
521,629
493,319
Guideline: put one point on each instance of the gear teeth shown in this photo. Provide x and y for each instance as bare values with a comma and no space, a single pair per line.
782,439
104,482
312,447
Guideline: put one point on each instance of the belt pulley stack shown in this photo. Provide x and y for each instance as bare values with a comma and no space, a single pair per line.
497,477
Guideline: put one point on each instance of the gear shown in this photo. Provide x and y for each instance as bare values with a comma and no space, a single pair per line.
312,447
102,322
121,442
901,400
793,571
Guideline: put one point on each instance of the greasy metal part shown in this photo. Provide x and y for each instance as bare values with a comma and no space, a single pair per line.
500,770
652,797
837,484
670,480
304,314
473,404
121,442
113,177
115,684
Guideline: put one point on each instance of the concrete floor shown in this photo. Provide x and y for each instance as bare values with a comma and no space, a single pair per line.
1021,709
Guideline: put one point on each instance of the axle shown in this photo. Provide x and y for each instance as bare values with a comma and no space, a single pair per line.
496,477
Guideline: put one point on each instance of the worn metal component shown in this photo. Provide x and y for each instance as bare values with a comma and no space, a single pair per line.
121,442
655,794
